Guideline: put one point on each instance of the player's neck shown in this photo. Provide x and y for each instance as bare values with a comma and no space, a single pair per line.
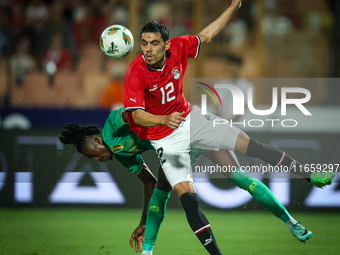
159,64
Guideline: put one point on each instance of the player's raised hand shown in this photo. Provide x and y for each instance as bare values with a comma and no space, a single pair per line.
173,120
137,238
236,4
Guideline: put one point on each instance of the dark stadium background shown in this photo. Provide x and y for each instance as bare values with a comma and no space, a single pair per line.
55,201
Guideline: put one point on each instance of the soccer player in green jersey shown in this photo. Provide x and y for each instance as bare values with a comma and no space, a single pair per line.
116,139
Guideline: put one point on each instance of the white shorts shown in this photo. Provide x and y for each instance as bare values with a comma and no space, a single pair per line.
173,153
209,136
196,131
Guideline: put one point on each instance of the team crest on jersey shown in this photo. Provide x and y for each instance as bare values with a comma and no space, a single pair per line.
117,148
176,73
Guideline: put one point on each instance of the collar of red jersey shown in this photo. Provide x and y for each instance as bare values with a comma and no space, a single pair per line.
152,68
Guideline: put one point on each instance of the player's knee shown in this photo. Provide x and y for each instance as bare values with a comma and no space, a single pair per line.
242,143
184,187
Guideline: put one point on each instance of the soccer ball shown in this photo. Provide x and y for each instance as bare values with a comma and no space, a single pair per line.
116,41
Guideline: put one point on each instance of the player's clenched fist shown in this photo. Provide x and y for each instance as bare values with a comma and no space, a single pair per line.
173,120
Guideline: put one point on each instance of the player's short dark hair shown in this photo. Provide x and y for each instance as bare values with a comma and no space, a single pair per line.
234,59
154,27
77,134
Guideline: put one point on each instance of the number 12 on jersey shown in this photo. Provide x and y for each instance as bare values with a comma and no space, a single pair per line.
167,92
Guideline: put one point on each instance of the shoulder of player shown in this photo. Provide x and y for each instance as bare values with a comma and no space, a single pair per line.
182,42
136,66
180,39
137,61
113,122
113,115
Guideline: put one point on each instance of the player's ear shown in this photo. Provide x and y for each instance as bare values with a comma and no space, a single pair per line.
98,139
167,45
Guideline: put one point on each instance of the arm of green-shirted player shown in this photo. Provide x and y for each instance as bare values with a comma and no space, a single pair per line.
149,182
135,164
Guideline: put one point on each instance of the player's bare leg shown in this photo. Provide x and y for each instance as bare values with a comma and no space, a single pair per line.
184,187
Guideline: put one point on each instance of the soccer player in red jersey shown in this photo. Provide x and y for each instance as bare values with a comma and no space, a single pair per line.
154,84
153,93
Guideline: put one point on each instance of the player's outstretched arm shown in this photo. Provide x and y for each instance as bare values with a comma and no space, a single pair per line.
146,119
149,182
209,32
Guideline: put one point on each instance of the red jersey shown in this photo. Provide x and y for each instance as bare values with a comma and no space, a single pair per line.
159,91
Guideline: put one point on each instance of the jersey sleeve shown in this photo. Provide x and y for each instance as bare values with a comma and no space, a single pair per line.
134,89
134,162
191,45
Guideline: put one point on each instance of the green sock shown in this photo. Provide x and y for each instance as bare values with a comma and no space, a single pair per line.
155,216
260,193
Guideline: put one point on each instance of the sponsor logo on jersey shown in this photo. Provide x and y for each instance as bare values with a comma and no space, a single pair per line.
133,99
154,88
117,148
176,73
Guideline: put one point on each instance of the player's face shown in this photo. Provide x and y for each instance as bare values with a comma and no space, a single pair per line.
97,150
154,48
98,153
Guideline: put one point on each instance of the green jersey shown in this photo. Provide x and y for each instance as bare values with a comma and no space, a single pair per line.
123,143
126,146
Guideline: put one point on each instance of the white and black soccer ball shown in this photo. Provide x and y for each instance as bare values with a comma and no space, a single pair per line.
116,41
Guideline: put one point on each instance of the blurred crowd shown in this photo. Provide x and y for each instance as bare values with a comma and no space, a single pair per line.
38,31
50,35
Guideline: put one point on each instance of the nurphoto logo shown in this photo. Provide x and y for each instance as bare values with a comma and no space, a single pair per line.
239,100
